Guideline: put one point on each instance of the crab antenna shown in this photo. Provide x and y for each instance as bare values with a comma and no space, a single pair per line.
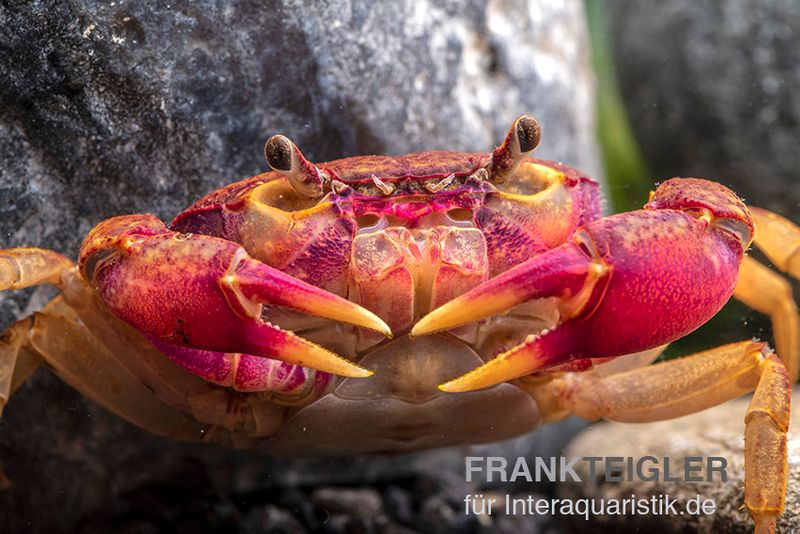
284,157
523,137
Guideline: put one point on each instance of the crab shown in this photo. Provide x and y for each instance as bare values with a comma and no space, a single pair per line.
384,304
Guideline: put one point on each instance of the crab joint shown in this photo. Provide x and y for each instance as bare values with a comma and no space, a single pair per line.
284,157
523,137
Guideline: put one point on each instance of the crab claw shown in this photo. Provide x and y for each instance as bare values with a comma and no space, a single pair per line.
649,277
522,138
206,293
284,157
563,273
251,283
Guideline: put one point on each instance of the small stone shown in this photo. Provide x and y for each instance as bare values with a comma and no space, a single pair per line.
398,504
450,486
361,502
270,520
439,516
301,507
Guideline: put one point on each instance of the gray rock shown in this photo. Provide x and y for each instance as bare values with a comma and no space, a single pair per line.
711,89
715,432
121,107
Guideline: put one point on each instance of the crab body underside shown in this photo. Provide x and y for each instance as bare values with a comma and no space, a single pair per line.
261,316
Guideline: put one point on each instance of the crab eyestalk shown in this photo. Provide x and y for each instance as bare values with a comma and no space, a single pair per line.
522,139
284,157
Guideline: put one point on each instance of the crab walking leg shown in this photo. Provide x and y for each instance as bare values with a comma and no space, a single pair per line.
767,292
779,238
24,267
17,359
21,268
66,346
679,387
766,424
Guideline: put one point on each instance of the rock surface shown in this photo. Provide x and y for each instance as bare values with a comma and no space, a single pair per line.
120,107
712,90
715,432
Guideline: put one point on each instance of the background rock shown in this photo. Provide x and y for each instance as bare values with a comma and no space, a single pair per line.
713,89
112,108
715,432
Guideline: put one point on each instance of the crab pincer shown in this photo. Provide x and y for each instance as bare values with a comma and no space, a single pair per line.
207,293
624,283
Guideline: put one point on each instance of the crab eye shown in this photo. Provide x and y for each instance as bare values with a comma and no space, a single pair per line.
278,152
522,138
284,157
529,134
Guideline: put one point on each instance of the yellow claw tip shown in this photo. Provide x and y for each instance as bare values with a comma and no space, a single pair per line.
423,327
355,371
507,366
455,386
384,330
387,332
373,322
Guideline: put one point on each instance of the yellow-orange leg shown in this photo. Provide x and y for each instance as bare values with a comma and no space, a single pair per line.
767,292
779,239
20,268
17,359
687,385
56,337
59,338
24,267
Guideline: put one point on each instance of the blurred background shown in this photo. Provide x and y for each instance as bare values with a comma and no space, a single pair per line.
119,107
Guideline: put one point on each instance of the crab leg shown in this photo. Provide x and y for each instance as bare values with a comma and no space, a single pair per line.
21,268
779,238
679,387
763,290
206,293
24,267
17,360
55,336
767,292
655,275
